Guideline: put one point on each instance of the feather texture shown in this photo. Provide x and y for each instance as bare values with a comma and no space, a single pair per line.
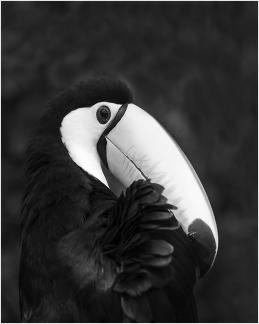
136,239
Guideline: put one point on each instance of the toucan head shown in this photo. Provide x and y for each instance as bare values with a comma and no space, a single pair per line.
117,142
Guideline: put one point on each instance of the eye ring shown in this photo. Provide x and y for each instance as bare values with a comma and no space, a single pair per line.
103,114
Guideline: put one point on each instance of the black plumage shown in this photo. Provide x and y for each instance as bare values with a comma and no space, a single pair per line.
88,256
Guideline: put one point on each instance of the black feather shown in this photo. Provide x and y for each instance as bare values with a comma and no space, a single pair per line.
60,212
138,241
137,308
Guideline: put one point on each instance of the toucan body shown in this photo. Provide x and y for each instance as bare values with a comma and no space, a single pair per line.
116,226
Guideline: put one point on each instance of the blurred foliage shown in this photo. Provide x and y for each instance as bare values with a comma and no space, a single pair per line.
193,66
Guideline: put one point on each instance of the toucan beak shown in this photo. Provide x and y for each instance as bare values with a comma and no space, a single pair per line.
138,147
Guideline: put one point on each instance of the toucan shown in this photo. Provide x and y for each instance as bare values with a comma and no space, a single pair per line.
115,224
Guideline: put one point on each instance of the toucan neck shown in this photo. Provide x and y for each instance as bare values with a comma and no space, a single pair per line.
87,158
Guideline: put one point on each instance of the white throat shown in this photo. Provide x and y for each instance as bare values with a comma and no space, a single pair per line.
80,138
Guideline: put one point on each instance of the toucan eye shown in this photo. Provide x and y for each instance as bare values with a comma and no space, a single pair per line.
103,114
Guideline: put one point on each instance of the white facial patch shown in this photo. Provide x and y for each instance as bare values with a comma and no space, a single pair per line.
80,132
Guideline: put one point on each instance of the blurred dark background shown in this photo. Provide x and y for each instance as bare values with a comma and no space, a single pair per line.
193,66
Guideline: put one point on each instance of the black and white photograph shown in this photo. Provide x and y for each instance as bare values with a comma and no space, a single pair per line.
129,161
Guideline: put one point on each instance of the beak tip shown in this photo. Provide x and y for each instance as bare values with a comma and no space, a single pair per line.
204,243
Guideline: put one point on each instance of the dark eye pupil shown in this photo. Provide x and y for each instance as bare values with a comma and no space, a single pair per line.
103,114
